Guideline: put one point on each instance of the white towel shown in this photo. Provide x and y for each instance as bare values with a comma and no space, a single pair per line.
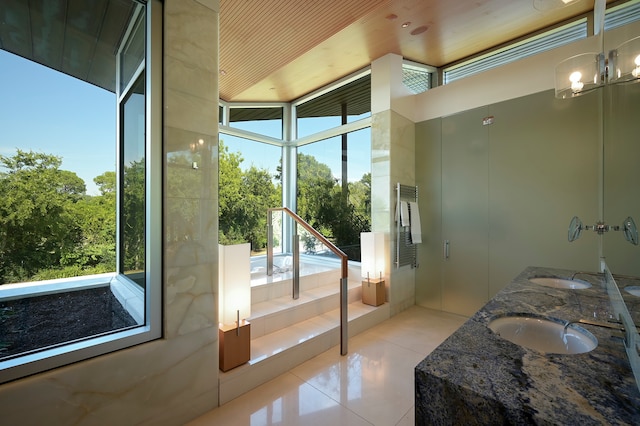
416,230
405,220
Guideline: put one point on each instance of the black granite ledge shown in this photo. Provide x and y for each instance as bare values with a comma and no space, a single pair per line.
34,323
476,377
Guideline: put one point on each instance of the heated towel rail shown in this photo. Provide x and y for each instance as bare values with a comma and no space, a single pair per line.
405,250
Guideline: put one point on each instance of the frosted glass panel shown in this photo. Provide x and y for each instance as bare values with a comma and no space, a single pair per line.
465,211
543,171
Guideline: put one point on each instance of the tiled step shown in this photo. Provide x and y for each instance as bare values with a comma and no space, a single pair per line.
281,312
277,352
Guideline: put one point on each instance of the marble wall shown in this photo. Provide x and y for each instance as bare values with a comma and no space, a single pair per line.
173,379
392,161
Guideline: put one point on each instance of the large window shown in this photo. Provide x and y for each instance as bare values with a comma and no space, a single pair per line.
334,188
79,186
323,174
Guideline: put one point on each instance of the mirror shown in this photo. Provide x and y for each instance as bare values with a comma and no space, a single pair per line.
575,229
630,231
621,176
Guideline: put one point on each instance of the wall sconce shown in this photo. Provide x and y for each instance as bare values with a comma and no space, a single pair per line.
624,62
579,74
234,305
372,267
584,73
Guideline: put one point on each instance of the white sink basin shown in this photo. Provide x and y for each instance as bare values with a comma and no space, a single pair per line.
543,334
633,289
556,282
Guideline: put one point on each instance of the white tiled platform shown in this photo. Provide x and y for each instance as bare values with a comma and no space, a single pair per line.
287,332
371,385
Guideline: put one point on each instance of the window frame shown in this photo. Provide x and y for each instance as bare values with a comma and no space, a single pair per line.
290,142
149,303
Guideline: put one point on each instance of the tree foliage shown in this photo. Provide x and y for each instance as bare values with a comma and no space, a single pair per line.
244,197
321,202
48,224
50,228
133,217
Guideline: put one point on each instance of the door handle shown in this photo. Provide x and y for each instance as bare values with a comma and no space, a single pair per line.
446,249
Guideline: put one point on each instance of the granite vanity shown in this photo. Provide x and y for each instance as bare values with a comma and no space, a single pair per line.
477,377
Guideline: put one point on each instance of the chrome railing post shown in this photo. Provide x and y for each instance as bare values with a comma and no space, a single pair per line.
269,243
344,319
296,262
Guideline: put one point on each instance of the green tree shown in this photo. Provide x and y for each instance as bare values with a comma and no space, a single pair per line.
258,194
244,197
133,217
96,217
316,186
230,202
322,203
36,224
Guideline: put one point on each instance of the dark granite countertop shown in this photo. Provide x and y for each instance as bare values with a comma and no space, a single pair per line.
476,377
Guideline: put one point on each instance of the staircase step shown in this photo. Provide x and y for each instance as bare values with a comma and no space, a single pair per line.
277,352
282,312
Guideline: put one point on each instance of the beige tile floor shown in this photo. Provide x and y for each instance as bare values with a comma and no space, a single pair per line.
372,385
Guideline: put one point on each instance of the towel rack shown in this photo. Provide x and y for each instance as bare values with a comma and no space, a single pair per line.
405,251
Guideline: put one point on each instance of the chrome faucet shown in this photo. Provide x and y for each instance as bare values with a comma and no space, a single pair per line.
615,325
573,276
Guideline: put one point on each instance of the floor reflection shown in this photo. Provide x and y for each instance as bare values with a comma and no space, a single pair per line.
372,385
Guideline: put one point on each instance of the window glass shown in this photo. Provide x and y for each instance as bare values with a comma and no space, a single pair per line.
416,78
132,217
343,105
264,121
556,37
334,190
60,182
249,184
132,53
57,178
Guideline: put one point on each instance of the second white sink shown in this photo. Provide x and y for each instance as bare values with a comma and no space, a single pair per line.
557,282
543,334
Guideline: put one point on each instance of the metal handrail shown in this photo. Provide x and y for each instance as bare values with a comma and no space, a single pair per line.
343,260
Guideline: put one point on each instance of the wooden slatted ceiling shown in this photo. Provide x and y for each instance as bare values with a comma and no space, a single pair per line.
268,35
279,50
292,55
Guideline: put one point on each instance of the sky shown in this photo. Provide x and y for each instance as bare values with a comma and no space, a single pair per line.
47,111
328,151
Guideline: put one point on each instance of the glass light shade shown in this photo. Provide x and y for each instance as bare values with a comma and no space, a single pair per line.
625,62
234,273
578,75
372,252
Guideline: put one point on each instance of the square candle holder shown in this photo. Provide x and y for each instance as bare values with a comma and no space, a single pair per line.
373,292
235,345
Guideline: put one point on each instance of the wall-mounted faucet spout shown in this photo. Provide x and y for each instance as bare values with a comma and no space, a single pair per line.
614,325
